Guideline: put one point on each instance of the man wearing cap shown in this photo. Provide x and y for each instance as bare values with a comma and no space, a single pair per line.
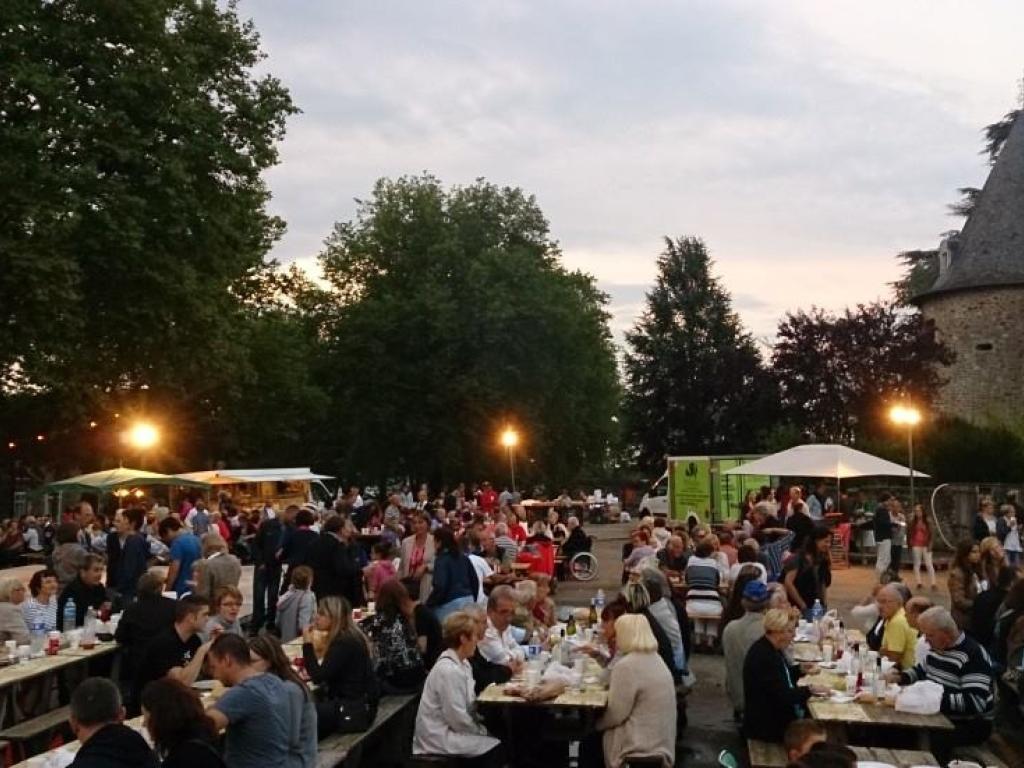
737,638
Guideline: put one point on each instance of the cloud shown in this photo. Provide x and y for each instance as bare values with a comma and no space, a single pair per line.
807,143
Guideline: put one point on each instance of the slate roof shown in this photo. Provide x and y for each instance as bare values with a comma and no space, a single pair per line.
990,248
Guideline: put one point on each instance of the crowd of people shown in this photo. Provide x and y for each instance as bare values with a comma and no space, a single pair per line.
449,615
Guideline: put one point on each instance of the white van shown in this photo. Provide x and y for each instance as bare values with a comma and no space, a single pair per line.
655,501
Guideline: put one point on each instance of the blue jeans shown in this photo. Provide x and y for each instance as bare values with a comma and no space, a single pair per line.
444,611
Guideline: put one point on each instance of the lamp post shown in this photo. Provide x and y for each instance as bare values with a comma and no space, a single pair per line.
510,439
142,436
909,417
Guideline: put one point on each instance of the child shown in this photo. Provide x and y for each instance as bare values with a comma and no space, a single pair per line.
381,569
297,607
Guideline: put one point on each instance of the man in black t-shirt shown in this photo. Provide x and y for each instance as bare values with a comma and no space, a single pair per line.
177,652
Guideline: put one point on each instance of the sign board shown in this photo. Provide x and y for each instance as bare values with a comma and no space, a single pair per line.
691,487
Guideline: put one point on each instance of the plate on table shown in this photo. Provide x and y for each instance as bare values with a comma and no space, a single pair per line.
873,764
827,664
204,685
841,698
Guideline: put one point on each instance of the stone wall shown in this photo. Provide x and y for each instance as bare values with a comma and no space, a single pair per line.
985,328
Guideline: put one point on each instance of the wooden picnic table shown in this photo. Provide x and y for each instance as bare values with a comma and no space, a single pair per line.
42,665
838,718
592,697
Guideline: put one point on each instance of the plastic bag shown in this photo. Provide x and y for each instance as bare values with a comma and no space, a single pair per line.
922,698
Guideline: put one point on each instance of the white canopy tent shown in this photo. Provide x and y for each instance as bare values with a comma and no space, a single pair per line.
824,460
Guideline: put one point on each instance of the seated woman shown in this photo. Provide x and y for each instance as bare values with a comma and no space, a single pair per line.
267,655
12,621
346,669
607,654
557,528
640,720
41,607
446,721
542,607
183,735
401,667
772,699
227,604
703,600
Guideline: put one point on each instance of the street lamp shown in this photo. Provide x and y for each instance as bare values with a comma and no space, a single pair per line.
907,416
510,439
142,436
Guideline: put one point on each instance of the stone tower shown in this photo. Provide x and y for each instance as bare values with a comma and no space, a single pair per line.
977,300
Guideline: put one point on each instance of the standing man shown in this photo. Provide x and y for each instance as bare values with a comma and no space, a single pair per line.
185,549
336,569
267,574
127,552
882,524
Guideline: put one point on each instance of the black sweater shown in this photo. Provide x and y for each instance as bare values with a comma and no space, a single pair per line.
771,701
346,669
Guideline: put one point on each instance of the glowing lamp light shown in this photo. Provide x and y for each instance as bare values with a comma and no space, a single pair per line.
12,445
510,438
142,435
93,425
40,438
905,415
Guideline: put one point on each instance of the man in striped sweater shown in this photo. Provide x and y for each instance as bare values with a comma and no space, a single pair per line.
963,669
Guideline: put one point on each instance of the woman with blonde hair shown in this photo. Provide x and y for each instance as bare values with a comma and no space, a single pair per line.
346,670
992,559
640,720
772,699
12,620
447,723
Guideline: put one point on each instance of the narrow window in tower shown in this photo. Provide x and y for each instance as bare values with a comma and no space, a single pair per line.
985,346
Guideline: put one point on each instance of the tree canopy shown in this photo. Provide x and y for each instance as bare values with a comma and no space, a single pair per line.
838,372
133,137
453,318
694,382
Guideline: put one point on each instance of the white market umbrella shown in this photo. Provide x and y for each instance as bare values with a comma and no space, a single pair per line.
826,460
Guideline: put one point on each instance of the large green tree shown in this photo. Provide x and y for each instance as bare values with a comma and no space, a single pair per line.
454,316
694,380
132,141
838,373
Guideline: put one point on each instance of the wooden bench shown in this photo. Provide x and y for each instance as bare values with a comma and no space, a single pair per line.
26,731
981,755
765,754
901,758
347,748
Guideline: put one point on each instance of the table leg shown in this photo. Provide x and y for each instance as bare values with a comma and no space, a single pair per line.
924,739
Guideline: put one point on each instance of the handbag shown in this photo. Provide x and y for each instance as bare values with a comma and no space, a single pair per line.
354,715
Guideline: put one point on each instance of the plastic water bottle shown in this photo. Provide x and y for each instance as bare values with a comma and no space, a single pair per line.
89,628
534,648
37,638
599,601
70,614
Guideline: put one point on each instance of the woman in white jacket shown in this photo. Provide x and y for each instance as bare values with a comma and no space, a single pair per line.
446,722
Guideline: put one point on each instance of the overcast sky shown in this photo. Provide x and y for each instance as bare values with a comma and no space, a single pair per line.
806,142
